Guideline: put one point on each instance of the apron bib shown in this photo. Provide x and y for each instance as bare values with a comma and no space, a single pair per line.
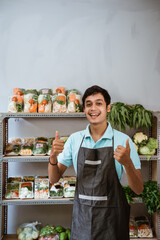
101,210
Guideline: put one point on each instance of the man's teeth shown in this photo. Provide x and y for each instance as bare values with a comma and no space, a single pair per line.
94,114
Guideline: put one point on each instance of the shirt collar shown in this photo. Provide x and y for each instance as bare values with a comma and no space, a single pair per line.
108,133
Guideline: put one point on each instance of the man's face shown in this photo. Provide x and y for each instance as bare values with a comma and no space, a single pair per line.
96,108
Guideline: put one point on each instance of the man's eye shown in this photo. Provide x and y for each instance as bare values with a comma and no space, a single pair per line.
99,103
88,105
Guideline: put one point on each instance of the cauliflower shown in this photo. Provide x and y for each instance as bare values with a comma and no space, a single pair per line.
140,138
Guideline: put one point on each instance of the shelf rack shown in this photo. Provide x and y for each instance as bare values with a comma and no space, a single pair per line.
4,160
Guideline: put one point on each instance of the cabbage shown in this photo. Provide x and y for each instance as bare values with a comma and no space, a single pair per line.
146,151
152,144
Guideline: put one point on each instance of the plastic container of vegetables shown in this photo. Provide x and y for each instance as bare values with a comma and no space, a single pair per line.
143,226
30,103
16,103
59,90
74,101
44,103
69,184
45,91
56,190
27,146
26,190
18,91
40,148
12,190
13,146
133,232
59,103
41,188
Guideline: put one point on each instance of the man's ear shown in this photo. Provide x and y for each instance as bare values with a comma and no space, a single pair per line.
109,108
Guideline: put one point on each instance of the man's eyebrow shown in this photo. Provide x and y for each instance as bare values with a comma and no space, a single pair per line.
95,100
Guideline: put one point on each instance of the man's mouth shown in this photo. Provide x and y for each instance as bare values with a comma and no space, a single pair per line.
94,115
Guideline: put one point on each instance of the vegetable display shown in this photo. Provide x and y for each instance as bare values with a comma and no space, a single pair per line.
135,116
69,184
59,103
74,101
30,102
150,196
144,145
44,103
26,190
41,188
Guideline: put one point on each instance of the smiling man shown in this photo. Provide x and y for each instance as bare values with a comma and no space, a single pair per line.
99,154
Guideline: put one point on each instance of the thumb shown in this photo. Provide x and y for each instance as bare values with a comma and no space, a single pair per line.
57,135
127,144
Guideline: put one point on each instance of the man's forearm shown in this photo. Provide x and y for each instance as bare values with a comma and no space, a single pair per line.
134,177
53,173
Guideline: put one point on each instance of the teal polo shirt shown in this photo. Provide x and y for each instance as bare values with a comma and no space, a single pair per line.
71,147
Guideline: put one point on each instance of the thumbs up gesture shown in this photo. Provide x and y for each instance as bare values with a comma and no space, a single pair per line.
122,154
57,146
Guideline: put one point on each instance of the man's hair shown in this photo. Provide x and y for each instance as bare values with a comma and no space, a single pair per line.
94,90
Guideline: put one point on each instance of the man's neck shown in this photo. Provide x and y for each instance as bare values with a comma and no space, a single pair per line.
98,130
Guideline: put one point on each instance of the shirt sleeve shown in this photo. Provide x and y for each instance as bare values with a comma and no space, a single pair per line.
65,157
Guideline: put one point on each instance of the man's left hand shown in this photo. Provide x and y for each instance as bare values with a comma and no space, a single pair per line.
122,154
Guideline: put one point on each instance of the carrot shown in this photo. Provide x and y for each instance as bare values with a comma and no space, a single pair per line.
62,90
61,98
31,101
41,108
44,102
33,108
19,99
76,102
14,99
58,90
72,97
15,90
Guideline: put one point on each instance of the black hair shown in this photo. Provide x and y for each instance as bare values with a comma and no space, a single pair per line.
94,90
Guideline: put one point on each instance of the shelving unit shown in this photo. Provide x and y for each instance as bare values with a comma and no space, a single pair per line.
154,164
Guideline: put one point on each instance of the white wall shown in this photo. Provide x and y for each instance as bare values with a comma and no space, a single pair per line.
76,44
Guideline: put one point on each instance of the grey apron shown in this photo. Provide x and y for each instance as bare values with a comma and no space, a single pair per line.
101,210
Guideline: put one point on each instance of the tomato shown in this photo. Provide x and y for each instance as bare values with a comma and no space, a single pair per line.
20,92
76,102
14,99
44,102
58,90
31,101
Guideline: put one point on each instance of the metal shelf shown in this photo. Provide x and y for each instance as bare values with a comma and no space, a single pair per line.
42,115
55,201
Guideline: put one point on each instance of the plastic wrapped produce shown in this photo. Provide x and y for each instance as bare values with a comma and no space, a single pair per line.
28,231
12,190
50,141
33,91
69,184
44,103
74,101
27,146
143,226
48,233
41,188
18,91
59,103
40,148
59,90
13,146
16,104
56,190
14,179
41,139
30,103
26,189
133,228
45,91
28,179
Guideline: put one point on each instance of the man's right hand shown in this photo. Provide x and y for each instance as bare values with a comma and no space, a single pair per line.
57,147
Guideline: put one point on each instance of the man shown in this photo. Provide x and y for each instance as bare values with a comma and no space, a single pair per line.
99,155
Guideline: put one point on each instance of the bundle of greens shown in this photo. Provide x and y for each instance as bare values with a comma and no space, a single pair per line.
150,196
122,115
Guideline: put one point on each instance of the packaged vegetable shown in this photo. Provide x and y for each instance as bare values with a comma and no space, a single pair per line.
48,232
27,146
28,231
44,103
30,103
18,91
45,91
41,139
59,103
26,189
13,146
56,190
14,179
59,90
16,104
40,148
69,184
143,226
41,188
50,141
28,179
12,190
74,101
33,91
133,228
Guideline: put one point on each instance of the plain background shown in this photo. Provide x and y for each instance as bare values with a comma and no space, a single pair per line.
75,44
